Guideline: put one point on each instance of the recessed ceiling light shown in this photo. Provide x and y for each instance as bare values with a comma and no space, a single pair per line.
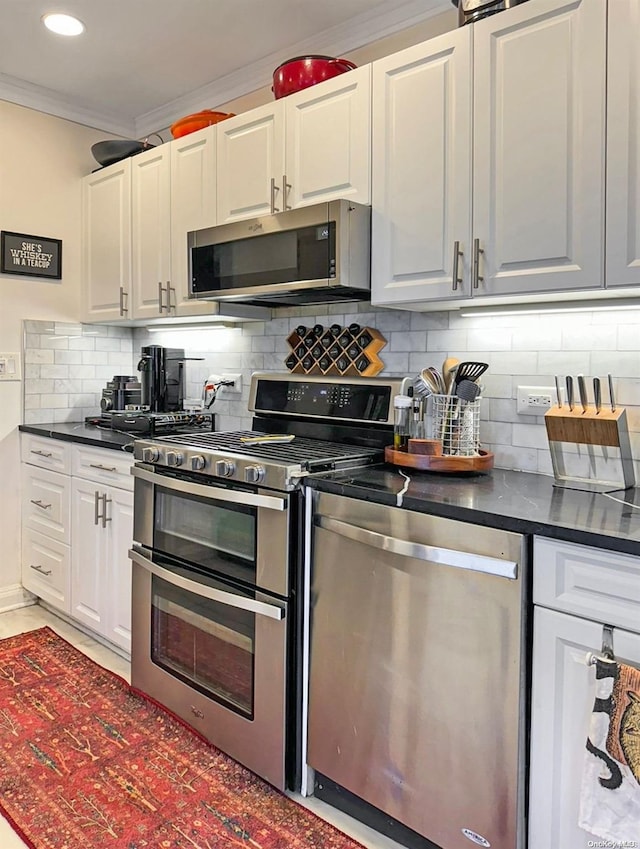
63,24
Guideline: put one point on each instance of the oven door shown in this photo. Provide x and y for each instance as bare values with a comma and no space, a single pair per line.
229,531
215,654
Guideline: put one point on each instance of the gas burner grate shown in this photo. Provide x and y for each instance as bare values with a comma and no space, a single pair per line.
300,450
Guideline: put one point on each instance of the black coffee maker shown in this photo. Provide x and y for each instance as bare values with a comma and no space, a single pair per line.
162,378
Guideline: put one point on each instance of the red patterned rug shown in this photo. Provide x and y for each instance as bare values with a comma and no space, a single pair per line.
86,762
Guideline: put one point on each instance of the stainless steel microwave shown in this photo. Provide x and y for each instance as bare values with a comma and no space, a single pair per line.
310,255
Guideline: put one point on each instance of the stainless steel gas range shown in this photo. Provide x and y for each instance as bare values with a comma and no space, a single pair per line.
218,560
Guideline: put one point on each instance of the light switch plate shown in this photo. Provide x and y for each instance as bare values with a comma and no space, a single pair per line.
10,366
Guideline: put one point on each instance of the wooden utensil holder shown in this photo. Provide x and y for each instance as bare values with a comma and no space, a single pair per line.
590,427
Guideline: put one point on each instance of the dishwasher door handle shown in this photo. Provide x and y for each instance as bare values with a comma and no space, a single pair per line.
431,553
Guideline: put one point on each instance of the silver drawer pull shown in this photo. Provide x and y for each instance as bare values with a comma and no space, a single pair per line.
197,712
42,453
104,468
39,503
40,569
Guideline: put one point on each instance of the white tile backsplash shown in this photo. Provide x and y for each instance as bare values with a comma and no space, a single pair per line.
521,350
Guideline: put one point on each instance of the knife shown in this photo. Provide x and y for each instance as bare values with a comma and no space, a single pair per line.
267,438
611,395
570,392
597,394
558,392
582,391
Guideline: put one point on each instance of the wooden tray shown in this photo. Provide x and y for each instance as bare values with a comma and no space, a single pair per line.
440,463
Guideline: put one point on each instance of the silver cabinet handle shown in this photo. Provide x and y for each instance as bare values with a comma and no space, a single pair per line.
40,569
457,253
104,468
104,516
42,453
171,304
212,493
285,189
477,250
160,293
123,295
274,189
39,503
96,507
431,553
204,591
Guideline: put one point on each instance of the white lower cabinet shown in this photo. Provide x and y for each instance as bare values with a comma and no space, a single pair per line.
572,578
102,530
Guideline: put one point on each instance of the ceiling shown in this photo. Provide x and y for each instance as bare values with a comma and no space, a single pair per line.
142,64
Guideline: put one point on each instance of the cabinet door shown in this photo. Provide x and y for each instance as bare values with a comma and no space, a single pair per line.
328,141
562,699
46,568
117,589
539,102
193,207
623,146
151,233
421,183
106,243
46,503
250,163
88,555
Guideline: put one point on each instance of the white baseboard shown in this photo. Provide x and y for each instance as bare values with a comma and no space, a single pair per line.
15,596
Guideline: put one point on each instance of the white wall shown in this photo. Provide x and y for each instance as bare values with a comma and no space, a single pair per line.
41,161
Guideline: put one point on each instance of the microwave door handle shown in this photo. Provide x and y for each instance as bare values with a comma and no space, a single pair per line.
418,551
260,608
211,492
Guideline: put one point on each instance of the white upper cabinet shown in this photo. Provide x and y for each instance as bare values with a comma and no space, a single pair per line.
250,164
534,221
539,137
193,207
308,147
623,146
151,232
421,214
106,243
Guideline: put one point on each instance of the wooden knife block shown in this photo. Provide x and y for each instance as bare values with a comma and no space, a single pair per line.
589,427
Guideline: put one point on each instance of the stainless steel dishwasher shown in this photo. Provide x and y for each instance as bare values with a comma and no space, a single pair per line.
416,682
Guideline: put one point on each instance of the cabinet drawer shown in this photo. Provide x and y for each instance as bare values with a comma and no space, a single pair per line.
46,568
592,582
46,503
46,453
103,466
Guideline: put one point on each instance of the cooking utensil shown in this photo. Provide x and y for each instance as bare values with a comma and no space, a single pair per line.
113,150
612,397
467,390
437,380
198,121
304,71
558,391
570,392
582,392
470,370
449,367
267,438
597,394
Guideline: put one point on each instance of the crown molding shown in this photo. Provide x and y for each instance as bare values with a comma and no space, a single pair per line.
370,26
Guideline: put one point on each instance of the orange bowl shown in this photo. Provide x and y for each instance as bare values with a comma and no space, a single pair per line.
197,121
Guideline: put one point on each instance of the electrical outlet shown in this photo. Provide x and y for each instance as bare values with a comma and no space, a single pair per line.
236,389
10,367
535,400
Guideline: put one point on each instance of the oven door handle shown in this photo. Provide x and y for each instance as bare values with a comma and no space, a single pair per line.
210,492
250,604
431,553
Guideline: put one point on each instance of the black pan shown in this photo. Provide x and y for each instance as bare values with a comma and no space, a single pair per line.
113,150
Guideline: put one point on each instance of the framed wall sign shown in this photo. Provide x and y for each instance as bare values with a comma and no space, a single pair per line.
35,256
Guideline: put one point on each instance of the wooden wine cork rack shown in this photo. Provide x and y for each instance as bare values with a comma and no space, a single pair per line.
590,427
343,351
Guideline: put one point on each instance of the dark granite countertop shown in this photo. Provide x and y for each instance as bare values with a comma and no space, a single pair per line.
516,501
86,434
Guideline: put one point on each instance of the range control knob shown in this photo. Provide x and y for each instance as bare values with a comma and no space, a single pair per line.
174,458
225,468
254,474
198,462
150,455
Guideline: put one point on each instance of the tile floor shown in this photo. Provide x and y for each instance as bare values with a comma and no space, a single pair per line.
28,618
